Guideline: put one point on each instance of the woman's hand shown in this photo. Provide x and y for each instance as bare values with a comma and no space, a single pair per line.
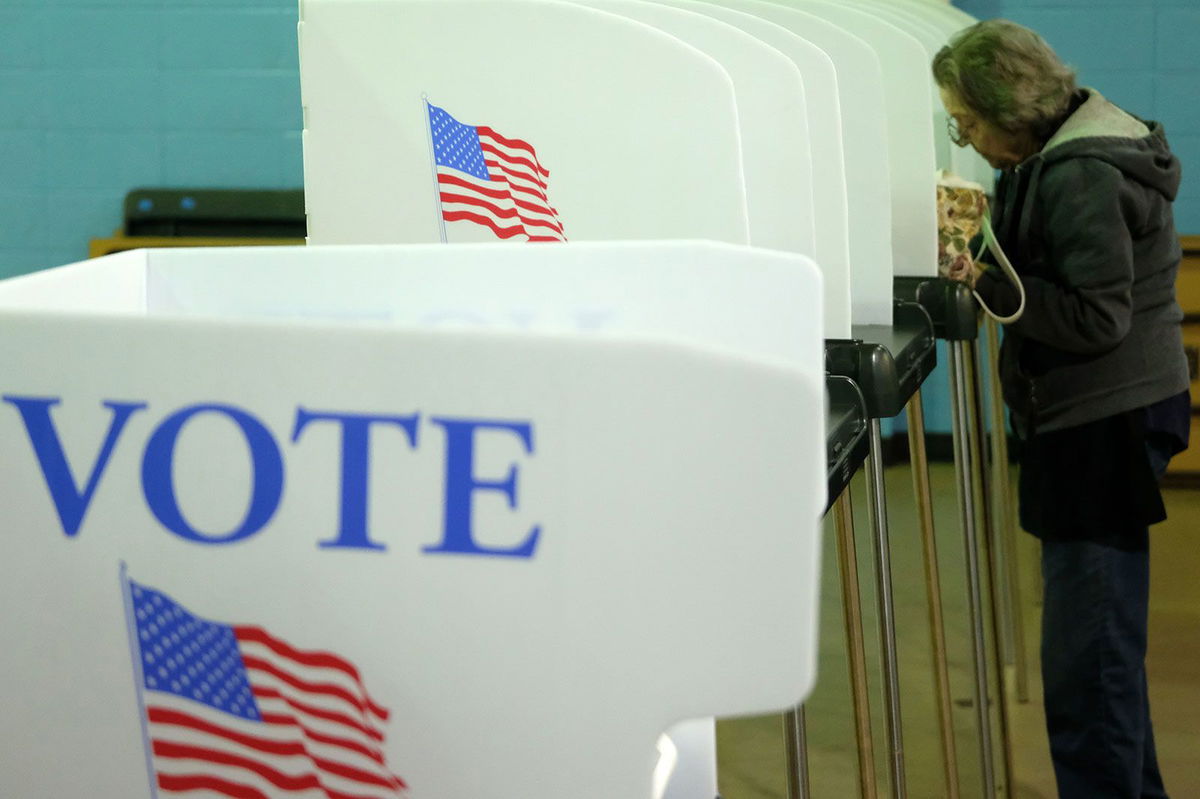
965,270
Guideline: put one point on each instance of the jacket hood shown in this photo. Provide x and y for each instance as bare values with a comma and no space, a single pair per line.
1099,129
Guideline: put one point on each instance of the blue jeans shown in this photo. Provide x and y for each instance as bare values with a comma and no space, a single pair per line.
1093,664
1093,670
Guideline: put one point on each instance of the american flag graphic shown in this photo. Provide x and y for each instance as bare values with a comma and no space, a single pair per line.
235,711
491,180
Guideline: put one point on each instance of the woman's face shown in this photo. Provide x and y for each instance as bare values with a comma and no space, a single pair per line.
1001,149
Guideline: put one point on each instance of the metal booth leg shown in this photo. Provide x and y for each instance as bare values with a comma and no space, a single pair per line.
976,446
843,515
964,472
933,591
795,736
887,612
1005,533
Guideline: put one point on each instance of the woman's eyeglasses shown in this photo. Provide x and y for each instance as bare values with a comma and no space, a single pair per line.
956,132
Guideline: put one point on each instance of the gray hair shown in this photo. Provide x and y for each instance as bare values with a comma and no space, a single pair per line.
1006,74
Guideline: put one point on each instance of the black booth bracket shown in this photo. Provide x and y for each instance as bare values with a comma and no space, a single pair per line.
888,363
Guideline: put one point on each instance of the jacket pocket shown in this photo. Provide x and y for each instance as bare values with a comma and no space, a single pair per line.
1019,387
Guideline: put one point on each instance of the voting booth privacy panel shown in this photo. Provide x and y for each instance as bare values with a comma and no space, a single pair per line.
420,125
317,533
831,214
654,143
772,120
909,115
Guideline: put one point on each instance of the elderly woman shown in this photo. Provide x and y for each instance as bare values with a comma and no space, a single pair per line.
1094,374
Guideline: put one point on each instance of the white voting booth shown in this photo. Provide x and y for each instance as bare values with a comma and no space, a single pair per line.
865,148
592,111
772,120
946,20
687,122
829,187
909,114
830,82
461,511
932,39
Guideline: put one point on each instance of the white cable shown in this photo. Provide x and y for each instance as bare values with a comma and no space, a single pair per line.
990,243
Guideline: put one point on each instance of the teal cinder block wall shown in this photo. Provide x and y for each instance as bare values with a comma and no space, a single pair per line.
100,96
1141,54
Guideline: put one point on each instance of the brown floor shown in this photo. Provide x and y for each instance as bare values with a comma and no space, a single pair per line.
751,751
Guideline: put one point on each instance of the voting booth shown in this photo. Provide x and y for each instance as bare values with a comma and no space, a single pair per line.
425,464
741,121
844,306
373,520
654,144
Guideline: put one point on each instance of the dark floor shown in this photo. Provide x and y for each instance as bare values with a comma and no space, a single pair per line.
751,753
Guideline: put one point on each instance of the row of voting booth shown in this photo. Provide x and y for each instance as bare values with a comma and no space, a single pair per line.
523,461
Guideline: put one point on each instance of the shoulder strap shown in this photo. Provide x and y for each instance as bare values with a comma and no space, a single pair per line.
990,243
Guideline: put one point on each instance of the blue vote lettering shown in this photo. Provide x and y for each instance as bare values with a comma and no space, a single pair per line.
70,502
458,536
356,464
461,484
158,475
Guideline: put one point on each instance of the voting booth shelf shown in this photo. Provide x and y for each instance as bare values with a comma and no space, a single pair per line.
326,531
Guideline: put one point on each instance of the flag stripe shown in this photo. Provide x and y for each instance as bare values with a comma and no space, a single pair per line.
166,716
524,190
514,182
465,184
503,213
511,172
313,710
180,783
454,180
161,715
315,659
286,754
287,782
479,219
282,719
535,207
278,713
258,664
516,144
512,159
502,194
281,755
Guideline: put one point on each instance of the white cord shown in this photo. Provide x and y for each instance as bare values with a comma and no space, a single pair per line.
990,243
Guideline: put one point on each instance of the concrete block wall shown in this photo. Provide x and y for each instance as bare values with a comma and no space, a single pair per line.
1141,54
100,96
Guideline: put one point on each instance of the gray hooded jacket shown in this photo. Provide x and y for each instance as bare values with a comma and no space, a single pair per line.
1087,222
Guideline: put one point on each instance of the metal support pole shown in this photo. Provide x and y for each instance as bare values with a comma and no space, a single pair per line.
843,516
1006,535
996,505
998,605
933,591
976,445
795,736
963,467
887,612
